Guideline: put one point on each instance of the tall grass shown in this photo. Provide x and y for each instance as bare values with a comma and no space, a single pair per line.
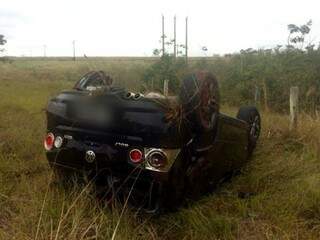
275,197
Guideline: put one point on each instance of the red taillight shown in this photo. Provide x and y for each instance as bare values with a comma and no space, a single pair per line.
49,141
135,156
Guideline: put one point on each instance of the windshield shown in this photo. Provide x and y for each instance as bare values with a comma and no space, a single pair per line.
94,80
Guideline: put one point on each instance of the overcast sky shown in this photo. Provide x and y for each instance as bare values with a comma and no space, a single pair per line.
133,28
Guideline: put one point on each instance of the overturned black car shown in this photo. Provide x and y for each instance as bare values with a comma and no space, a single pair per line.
160,149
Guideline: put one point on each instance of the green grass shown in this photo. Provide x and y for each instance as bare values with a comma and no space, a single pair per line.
280,184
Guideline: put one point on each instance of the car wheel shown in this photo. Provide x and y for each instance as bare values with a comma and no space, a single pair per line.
200,99
251,115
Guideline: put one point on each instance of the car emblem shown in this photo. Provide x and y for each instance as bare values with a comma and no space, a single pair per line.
90,156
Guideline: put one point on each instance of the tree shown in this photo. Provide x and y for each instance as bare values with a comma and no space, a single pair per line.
169,67
3,41
297,34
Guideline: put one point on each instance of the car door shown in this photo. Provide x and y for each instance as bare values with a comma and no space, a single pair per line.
233,138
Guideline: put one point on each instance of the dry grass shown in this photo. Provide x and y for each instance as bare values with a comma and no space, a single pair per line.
276,197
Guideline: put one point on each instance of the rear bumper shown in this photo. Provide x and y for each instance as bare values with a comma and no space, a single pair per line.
112,160
114,177
74,156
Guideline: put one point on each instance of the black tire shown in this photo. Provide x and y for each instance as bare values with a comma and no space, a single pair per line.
200,99
250,114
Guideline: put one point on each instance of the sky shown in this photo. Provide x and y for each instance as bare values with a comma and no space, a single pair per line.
133,27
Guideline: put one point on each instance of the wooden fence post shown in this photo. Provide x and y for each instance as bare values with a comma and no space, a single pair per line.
257,96
166,87
265,95
294,102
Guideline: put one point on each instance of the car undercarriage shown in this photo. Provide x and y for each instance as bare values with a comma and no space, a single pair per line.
158,150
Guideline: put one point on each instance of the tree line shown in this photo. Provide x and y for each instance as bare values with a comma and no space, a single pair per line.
255,76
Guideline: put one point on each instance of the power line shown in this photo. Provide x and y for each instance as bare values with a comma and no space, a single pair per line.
163,36
186,40
175,36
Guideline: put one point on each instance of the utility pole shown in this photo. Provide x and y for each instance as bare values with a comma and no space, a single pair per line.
175,36
44,50
163,36
186,40
74,50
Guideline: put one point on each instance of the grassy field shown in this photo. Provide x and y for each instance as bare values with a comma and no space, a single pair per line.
277,196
